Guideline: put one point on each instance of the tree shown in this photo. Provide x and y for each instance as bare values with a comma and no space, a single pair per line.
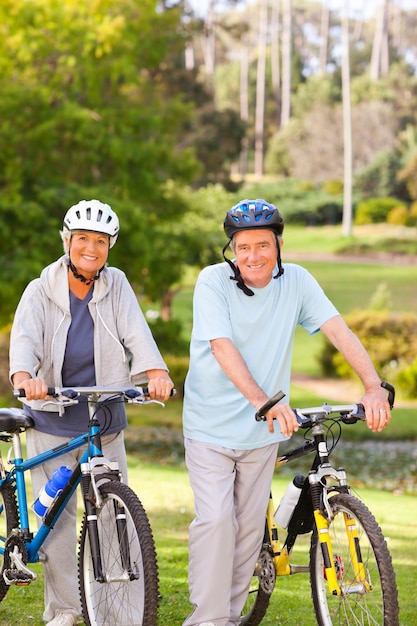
347,128
260,89
86,110
380,53
286,63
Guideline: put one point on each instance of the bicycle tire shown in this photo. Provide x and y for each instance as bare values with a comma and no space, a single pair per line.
132,601
9,519
261,586
379,606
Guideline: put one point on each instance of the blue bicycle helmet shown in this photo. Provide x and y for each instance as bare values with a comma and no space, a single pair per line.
250,215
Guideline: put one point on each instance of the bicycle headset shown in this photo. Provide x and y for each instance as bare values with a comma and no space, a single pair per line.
252,215
94,216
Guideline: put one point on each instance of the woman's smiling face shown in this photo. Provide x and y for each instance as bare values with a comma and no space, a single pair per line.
256,256
89,251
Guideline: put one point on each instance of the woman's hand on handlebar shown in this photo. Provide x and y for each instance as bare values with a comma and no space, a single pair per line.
35,388
285,417
160,385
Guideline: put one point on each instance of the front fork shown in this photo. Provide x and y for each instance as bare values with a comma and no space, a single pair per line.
93,502
323,516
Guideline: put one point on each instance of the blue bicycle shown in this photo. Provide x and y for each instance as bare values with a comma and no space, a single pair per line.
118,571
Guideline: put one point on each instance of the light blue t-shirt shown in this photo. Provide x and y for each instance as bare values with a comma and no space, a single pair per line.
262,328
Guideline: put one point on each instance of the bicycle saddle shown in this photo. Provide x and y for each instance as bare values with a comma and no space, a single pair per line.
12,420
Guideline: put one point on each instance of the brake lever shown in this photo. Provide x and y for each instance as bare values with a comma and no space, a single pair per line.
61,404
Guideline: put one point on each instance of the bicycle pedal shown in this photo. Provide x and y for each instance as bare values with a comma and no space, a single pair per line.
18,579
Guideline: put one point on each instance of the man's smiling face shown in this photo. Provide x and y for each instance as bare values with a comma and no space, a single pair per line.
256,256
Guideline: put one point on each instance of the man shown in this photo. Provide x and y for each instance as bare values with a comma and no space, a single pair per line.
245,315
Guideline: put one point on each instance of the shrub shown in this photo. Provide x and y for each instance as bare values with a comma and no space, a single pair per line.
168,336
398,215
407,380
412,215
335,187
389,338
374,210
178,368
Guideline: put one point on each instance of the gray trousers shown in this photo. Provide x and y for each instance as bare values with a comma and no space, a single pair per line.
61,593
231,490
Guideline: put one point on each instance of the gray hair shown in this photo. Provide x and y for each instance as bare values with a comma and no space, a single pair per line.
66,238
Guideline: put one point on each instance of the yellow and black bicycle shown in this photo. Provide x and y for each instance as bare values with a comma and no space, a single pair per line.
351,573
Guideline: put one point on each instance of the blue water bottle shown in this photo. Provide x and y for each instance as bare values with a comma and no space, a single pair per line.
53,487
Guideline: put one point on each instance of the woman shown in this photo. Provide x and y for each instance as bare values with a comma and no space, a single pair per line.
79,324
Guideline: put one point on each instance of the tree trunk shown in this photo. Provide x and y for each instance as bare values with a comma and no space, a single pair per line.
286,63
379,57
347,127
260,89
209,46
166,304
324,37
189,46
244,101
275,54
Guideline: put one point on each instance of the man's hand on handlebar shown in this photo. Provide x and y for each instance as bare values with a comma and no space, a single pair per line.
377,409
285,417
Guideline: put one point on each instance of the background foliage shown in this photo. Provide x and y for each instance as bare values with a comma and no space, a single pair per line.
101,100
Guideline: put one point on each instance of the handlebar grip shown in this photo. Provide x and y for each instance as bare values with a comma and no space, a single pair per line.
20,393
260,413
171,395
391,393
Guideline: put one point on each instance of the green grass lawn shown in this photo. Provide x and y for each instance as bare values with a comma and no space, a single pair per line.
158,475
167,497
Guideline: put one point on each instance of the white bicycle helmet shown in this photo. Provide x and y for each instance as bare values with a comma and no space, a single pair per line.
92,215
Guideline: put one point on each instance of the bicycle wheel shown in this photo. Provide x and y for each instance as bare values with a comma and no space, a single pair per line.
9,519
378,604
261,586
128,596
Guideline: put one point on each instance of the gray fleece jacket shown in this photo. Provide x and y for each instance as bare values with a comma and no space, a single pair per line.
124,348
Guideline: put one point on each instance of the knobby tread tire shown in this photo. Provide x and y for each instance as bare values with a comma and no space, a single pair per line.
258,610
9,519
258,599
144,557
382,574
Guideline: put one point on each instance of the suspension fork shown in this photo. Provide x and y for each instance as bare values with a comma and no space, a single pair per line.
91,495
322,525
123,539
355,551
323,516
92,527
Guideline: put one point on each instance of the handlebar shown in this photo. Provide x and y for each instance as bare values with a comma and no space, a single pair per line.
130,393
348,413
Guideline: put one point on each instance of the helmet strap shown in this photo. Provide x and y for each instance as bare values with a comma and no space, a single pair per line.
280,268
236,274
83,279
